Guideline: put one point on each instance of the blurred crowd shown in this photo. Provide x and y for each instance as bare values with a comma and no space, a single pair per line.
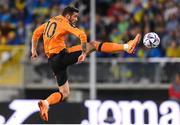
174,88
11,22
116,21
123,19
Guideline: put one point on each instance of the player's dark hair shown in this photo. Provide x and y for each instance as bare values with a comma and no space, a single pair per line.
69,10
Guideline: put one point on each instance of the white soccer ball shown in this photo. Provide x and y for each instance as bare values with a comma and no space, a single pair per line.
151,40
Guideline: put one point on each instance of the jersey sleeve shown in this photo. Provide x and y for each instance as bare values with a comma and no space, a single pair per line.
38,32
77,32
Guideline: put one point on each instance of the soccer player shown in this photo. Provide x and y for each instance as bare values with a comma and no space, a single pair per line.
60,57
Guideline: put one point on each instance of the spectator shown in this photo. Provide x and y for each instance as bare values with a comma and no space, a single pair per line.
154,52
137,10
173,50
174,88
117,8
12,39
116,21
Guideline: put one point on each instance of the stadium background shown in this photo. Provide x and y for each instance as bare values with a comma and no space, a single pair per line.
146,75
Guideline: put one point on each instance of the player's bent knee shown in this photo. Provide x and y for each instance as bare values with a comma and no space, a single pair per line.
94,43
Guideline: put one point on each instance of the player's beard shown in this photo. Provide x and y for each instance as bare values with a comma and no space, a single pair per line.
73,24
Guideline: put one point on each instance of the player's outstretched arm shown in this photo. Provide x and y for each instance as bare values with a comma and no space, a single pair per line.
83,38
36,35
34,54
82,57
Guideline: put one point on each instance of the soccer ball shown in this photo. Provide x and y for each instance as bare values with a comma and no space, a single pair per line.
151,40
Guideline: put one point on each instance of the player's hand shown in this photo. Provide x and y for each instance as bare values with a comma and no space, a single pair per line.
81,58
34,54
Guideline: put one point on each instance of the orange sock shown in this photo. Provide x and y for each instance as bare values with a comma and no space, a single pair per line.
109,47
55,98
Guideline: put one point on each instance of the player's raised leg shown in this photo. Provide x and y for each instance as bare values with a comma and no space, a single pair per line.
110,47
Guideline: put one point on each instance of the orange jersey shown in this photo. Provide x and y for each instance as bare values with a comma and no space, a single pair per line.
54,32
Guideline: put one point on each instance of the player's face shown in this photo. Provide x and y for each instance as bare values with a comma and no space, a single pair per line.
73,19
